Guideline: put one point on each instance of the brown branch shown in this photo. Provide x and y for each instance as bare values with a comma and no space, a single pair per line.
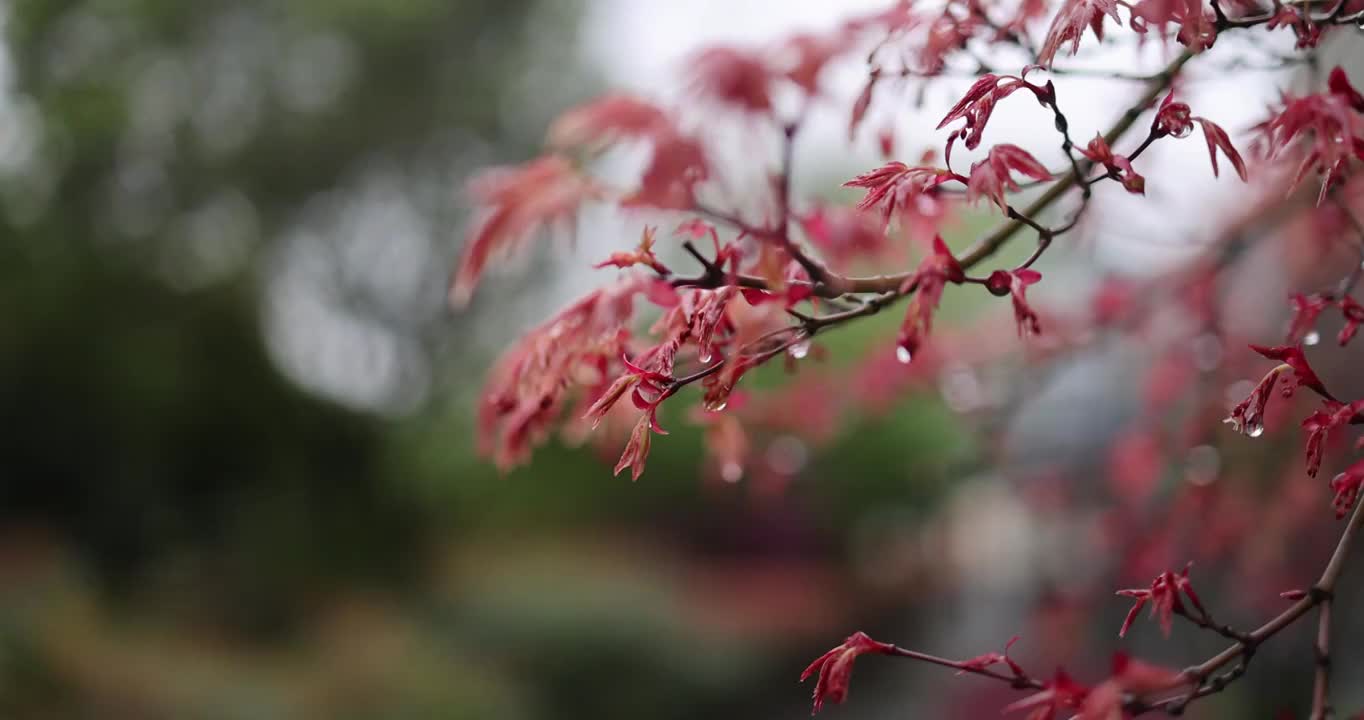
1320,595
1020,682
1321,687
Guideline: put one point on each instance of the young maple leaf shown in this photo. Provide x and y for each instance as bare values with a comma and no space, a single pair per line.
1070,23
1287,15
834,668
1164,597
897,189
641,255
978,104
637,449
1319,425
932,276
1217,139
1172,118
1354,317
669,182
946,33
737,78
1098,151
982,662
810,54
513,204
726,442
843,233
525,389
1015,284
1330,119
862,104
1293,357
1346,487
678,161
992,176
1306,310
1197,26
1247,416
608,119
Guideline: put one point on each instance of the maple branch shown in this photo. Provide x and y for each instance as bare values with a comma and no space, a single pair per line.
1205,676
1321,594
1321,686
1205,621
1018,682
988,245
887,289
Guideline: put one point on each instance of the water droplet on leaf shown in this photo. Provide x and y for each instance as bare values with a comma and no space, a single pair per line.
1311,338
902,354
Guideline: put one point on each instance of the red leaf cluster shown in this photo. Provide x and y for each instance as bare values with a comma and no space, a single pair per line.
525,390
1329,121
513,203
909,193
1070,23
1164,596
978,104
992,177
1197,28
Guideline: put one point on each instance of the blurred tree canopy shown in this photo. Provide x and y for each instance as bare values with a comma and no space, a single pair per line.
144,413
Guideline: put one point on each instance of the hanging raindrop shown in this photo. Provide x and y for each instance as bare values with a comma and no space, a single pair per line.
902,354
